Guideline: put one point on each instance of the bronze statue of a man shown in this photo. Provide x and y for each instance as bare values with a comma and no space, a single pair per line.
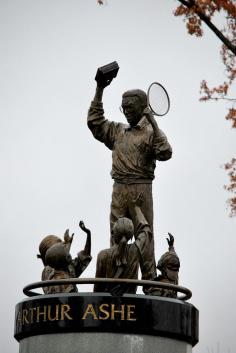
135,149
58,263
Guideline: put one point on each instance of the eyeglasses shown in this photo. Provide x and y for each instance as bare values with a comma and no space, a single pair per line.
126,109
121,109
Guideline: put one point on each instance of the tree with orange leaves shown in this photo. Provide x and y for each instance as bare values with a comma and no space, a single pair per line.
195,13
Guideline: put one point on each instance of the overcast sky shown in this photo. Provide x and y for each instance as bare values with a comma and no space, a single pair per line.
53,173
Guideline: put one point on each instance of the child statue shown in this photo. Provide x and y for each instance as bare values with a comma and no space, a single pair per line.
58,263
168,265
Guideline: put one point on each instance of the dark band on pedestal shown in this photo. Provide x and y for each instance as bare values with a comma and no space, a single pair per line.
135,314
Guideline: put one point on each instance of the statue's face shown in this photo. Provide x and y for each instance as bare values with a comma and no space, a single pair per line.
133,109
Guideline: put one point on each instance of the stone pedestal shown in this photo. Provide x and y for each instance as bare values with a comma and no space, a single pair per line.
101,323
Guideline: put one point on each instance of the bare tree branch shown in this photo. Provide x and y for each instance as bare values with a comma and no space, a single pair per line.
190,4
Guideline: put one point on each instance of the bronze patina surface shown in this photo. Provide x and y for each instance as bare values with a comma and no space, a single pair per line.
135,148
58,263
168,265
122,260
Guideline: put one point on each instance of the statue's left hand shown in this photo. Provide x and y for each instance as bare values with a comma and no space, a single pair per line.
148,114
170,240
67,238
82,226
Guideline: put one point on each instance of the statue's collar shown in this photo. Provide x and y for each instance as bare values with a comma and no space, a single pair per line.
141,124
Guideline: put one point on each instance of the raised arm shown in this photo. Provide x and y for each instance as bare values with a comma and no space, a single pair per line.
102,129
137,216
84,257
170,242
68,240
98,94
87,247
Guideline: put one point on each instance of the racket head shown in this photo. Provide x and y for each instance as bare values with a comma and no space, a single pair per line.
158,99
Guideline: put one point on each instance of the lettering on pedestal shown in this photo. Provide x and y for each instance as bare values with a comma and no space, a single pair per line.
110,312
64,312
131,314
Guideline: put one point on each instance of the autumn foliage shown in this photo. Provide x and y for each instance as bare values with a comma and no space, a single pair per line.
231,169
195,13
198,15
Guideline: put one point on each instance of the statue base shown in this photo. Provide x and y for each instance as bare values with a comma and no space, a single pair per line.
88,342
101,323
